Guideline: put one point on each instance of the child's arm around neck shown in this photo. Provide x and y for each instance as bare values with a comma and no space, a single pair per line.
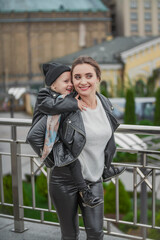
50,104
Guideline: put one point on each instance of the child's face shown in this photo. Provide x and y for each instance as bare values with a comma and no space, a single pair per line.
63,84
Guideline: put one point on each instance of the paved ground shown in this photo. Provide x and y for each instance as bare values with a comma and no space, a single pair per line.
36,231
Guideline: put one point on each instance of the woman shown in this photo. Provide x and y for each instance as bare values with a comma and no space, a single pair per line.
88,135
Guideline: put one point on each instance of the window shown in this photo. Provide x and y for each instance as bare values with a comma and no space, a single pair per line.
133,4
134,28
147,16
133,16
148,28
147,3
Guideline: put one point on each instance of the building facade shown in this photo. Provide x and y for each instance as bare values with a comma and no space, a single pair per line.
135,17
33,32
125,62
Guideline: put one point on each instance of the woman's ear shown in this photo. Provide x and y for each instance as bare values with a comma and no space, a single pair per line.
98,81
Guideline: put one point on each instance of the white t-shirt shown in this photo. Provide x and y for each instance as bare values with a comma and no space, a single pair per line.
98,132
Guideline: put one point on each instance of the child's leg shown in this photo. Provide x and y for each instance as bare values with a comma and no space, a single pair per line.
88,198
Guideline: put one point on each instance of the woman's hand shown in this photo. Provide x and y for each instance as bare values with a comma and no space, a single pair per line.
81,105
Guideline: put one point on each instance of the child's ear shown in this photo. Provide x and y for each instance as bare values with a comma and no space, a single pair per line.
53,86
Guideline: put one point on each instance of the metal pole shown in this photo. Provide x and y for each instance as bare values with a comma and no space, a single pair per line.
12,106
17,191
143,199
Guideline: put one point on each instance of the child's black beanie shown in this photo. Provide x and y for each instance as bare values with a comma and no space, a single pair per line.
53,70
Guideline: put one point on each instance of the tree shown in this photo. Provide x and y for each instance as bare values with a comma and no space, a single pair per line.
140,88
157,109
151,83
129,115
103,88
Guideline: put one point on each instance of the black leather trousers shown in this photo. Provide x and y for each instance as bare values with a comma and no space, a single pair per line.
66,199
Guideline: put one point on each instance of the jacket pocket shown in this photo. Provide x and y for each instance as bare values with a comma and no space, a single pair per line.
69,132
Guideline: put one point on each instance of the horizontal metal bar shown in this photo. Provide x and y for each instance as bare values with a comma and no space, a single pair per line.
137,151
21,141
39,221
127,236
15,122
6,140
138,129
130,165
123,128
27,155
4,153
130,223
38,209
6,216
6,204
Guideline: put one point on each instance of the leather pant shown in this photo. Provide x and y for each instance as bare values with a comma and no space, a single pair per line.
66,199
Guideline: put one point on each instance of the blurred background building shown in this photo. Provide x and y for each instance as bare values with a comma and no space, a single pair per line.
134,17
34,32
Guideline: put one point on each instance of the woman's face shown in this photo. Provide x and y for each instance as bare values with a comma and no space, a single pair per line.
85,79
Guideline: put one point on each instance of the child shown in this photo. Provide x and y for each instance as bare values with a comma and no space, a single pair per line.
50,102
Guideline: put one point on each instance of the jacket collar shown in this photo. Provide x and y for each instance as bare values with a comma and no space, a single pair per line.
53,93
108,109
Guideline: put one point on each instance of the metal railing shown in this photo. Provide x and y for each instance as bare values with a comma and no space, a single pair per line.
144,169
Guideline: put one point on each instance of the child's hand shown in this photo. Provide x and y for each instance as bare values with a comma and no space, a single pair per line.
81,105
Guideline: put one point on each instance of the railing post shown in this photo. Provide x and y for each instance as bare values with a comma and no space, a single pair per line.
143,199
17,191
1,181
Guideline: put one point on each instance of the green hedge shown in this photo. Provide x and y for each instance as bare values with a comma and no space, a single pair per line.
41,183
110,199
154,233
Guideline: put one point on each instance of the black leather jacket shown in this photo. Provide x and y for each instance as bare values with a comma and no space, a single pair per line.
72,134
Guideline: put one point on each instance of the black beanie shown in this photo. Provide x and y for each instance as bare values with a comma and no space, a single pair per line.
52,71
